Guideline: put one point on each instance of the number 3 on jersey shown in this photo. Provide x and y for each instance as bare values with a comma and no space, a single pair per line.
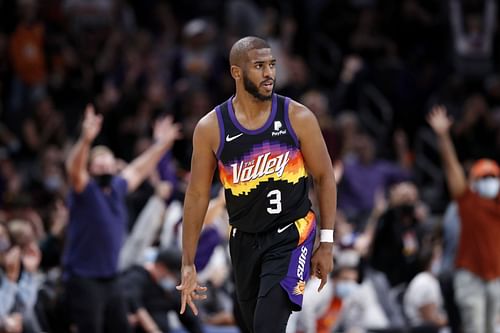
275,202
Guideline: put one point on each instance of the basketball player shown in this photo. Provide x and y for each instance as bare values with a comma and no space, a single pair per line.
264,145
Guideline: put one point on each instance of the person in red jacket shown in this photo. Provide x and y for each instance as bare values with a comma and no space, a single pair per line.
477,277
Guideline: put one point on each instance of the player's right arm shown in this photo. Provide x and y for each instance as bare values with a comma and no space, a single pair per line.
203,163
455,176
76,164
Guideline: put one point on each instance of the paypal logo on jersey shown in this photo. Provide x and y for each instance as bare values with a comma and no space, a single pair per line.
277,125
277,129
262,166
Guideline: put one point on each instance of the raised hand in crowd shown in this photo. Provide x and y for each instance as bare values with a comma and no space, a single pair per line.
441,123
92,124
439,120
165,130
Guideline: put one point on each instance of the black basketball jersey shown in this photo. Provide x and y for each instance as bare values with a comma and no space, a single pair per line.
262,170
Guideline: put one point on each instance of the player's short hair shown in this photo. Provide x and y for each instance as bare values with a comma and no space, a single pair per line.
239,51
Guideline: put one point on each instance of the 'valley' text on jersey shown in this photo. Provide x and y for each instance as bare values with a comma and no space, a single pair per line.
262,170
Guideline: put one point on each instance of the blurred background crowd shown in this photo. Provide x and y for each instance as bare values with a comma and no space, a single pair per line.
369,69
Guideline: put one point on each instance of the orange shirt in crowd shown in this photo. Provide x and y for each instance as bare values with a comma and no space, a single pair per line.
27,54
479,246
327,322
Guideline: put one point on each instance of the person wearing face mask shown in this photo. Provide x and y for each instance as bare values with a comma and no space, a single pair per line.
398,235
322,312
19,279
366,301
423,300
98,222
10,268
477,276
150,293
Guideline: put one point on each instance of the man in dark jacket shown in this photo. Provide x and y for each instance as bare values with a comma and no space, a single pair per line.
150,293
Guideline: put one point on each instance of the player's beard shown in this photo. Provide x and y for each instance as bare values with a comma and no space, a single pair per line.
253,90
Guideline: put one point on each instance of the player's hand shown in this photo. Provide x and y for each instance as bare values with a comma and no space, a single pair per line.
322,263
92,124
439,120
190,289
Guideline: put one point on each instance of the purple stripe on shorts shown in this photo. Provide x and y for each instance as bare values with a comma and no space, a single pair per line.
299,269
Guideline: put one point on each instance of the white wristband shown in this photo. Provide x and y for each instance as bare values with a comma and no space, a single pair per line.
326,236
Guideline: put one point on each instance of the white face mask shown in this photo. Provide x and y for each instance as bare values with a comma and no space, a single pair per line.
345,288
487,187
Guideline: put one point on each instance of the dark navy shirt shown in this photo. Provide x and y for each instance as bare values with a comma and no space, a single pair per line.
96,230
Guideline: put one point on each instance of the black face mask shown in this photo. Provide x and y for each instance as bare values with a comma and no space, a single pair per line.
103,180
406,210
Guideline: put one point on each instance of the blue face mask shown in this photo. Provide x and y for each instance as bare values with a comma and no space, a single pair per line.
53,183
345,288
168,283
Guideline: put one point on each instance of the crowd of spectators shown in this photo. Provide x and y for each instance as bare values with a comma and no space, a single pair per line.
371,70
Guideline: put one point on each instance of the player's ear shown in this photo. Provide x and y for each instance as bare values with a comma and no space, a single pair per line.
236,72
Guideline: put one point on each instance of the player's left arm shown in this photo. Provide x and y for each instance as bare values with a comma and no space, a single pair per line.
318,163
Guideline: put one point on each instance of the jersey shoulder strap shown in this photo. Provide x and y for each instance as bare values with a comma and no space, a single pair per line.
283,117
225,124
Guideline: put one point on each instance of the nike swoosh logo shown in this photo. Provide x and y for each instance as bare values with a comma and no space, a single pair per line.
280,230
231,138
